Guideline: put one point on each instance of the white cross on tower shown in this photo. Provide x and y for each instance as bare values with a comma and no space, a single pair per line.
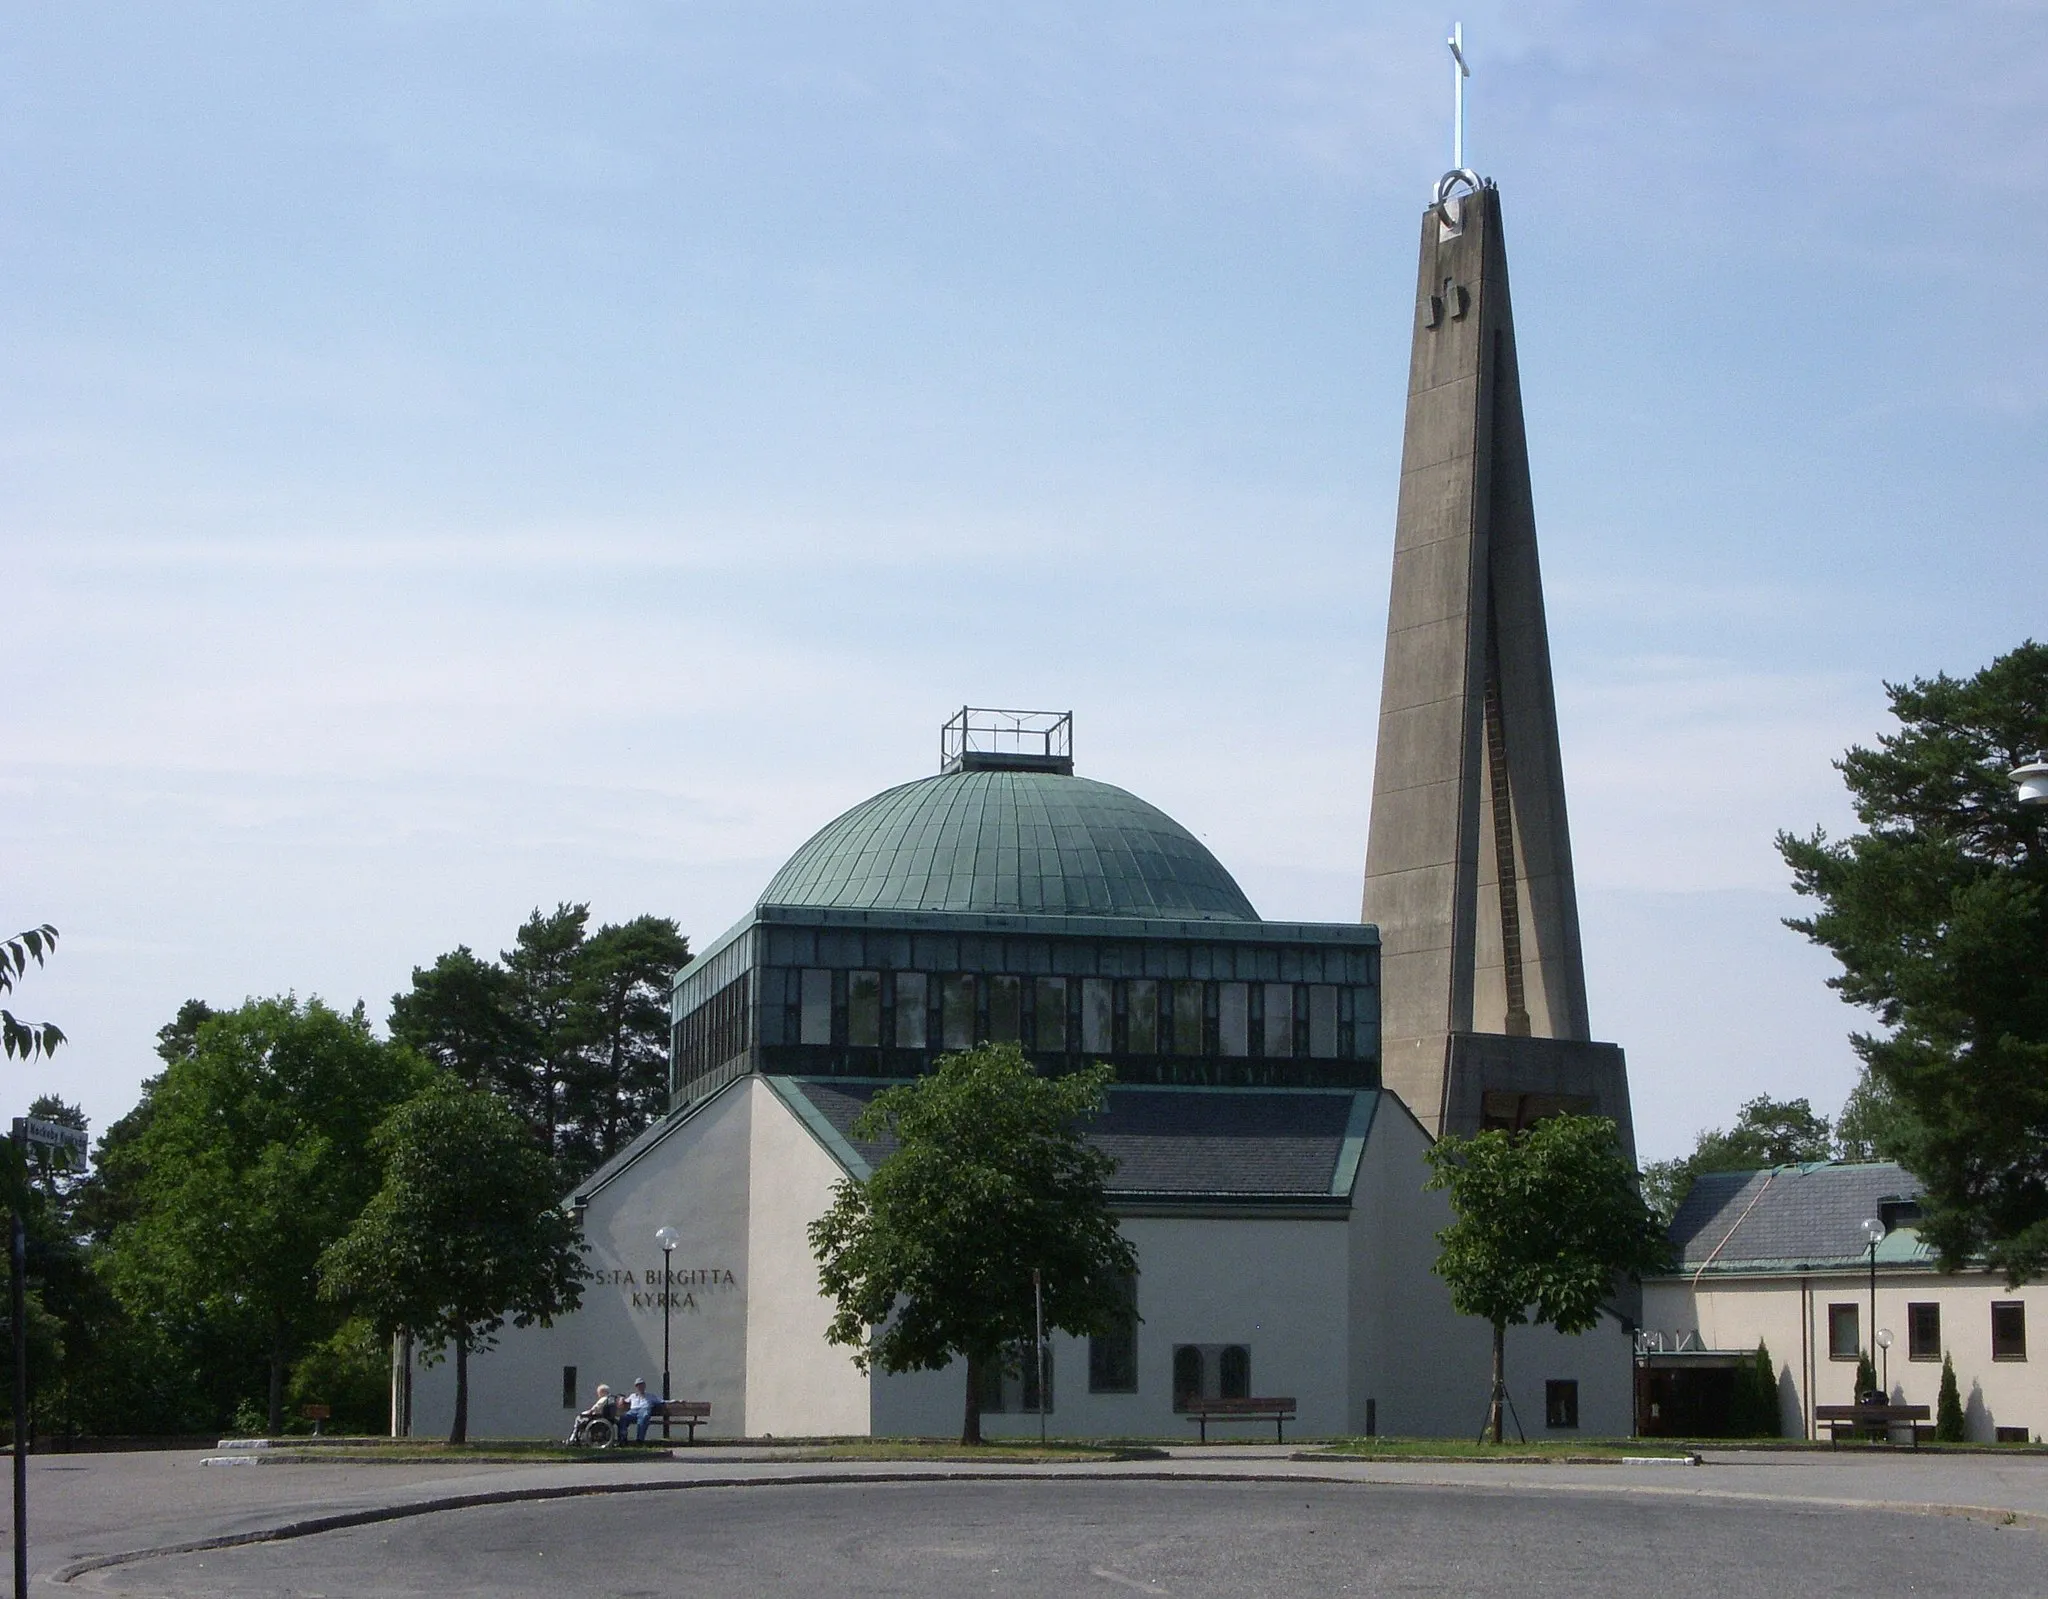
1459,73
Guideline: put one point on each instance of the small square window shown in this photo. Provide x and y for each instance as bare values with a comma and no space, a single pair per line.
1561,1403
1923,1332
1845,1340
2009,1330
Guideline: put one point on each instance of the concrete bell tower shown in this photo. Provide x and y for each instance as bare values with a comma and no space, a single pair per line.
1468,867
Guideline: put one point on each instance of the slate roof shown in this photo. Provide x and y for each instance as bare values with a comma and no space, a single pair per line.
1793,1218
1169,1143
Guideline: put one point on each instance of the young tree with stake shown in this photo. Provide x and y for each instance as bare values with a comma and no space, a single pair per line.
1547,1220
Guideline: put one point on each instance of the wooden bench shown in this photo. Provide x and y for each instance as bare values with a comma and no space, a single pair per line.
692,1413
1874,1420
1204,1411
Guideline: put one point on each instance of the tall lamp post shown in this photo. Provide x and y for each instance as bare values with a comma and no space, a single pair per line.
1873,1235
668,1238
1884,1343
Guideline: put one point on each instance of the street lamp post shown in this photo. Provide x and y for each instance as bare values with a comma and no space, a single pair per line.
1873,1235
2032,781
668,1238
1884,1343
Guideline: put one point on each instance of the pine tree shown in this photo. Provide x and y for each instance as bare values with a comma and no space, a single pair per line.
1948,1409
1866,1375
1758,1414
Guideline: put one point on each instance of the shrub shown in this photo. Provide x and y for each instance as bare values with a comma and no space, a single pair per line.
1948,1409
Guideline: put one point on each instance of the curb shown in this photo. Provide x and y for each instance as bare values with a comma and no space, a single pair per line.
342,1520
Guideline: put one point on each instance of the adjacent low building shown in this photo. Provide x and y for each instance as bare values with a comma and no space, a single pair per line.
1273,1189
1781,1257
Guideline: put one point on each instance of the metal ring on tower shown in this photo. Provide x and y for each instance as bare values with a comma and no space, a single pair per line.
1445,186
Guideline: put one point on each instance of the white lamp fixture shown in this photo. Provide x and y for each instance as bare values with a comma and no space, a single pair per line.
668,1238
1873,1231
2032,782
1884,1337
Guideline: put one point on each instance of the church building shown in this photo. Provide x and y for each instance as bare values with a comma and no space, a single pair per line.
1272,1187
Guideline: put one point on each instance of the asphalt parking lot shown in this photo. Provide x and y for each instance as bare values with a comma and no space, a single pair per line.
1203,1540
1241,1520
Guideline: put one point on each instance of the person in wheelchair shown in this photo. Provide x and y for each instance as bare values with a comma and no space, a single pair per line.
605,1409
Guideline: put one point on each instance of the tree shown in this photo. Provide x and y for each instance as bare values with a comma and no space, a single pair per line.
1755,1412
25,1039
463,1232
621,1082
1938,914
254,1157
991,1177
1948,1406
1546,1221
1767,1132
572,1028
1866,1374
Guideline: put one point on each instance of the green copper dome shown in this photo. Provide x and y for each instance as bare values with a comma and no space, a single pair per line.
1006,842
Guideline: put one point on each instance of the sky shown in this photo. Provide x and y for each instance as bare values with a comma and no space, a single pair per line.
458,458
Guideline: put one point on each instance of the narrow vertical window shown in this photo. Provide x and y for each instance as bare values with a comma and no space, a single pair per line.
910,1003
1232,1013
1279,1019
569,1388
1006,1009
864,1009
1187,1018
817,1008
1143,1016
956,1008
1234,1372
1049,995
1098,1015
1187,1376
1113,1356
1322,1021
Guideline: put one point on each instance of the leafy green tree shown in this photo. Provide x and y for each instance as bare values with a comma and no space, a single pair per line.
463,1233
991,1176
1866,1374
621,1082
1547,1220
254,1157
1938,914
1948,1406
1767,1132
25,1040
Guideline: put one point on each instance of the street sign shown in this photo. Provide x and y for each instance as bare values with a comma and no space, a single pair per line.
53,1135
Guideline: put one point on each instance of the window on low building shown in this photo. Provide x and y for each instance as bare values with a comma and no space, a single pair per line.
1279,999
910,1004
1845,1340
1006,1009
1234,1372
2009,1329
1098,1015
864,1009
956,1012
1050,1034
1113,1356
1233,1010
1923,1332
1187,1375
1142,1012
1561,1403
815,1023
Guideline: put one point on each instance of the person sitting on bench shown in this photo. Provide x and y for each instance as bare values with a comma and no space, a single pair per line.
638,1413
